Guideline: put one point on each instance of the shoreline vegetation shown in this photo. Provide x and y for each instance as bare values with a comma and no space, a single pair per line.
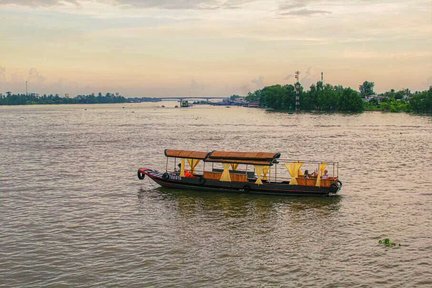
36,99
285,98
329,98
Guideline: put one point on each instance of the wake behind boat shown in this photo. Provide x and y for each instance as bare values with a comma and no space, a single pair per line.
246,172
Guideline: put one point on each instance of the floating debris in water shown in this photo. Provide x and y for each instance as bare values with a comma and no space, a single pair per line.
388,243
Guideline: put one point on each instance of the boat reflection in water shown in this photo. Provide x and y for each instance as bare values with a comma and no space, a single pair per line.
193,202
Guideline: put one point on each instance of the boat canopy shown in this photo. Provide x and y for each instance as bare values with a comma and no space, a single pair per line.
186,154
253,158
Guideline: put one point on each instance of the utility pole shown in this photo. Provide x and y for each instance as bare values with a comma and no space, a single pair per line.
26,89
297,89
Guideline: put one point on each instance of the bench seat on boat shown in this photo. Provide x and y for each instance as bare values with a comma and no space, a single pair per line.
234,175
312,181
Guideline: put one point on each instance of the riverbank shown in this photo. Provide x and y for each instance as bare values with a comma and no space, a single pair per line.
327,99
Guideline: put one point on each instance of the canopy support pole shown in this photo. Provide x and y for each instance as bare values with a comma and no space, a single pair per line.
269,176
166,165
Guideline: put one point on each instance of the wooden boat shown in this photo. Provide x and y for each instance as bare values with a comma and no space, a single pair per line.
245,172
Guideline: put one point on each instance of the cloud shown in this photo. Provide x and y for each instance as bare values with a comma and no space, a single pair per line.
36,3
310,76
2,74
185,4
259,82
35,76
289,77
299,8
428,82
196,87
169,4
289,5
162,4
305,12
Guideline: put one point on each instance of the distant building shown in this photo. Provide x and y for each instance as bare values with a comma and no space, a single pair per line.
240,101
406,96
378,98
254,104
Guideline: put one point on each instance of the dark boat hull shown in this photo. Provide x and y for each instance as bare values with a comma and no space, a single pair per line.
198,183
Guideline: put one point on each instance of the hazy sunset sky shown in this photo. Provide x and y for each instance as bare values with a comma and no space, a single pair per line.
211,47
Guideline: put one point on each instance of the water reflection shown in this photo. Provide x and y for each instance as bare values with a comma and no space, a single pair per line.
232,205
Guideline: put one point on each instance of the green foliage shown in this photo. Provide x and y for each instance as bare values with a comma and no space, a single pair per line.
398,95
328,98
275,97
394,105
366,88
234,96
22,99
388,243
372,105
350,101
421,102
320,97
390,101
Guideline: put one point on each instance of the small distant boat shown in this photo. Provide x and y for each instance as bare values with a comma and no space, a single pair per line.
245,172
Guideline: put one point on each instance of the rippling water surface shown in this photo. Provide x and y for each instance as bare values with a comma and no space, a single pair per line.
73,212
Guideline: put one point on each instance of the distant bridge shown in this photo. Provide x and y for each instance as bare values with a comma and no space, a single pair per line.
191,98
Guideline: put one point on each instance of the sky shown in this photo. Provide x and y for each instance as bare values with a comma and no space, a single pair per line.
158,48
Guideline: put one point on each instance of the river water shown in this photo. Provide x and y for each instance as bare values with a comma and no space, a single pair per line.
73,212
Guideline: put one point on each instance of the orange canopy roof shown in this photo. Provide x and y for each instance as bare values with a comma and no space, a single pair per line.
252,158
186,154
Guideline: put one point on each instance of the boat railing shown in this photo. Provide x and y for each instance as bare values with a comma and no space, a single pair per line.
287,160
277,173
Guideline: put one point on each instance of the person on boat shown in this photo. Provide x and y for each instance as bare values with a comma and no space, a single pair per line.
187,173
177,171
325,176
306,174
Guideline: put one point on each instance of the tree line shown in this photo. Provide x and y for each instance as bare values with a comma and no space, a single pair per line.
319,97
329,98
23,99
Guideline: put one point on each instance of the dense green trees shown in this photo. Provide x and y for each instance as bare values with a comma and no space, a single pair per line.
329,98
22,99
402,101
320,97
366,89
393,105
421,102
350,101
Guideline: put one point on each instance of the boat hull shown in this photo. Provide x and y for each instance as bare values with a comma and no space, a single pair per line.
173,181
